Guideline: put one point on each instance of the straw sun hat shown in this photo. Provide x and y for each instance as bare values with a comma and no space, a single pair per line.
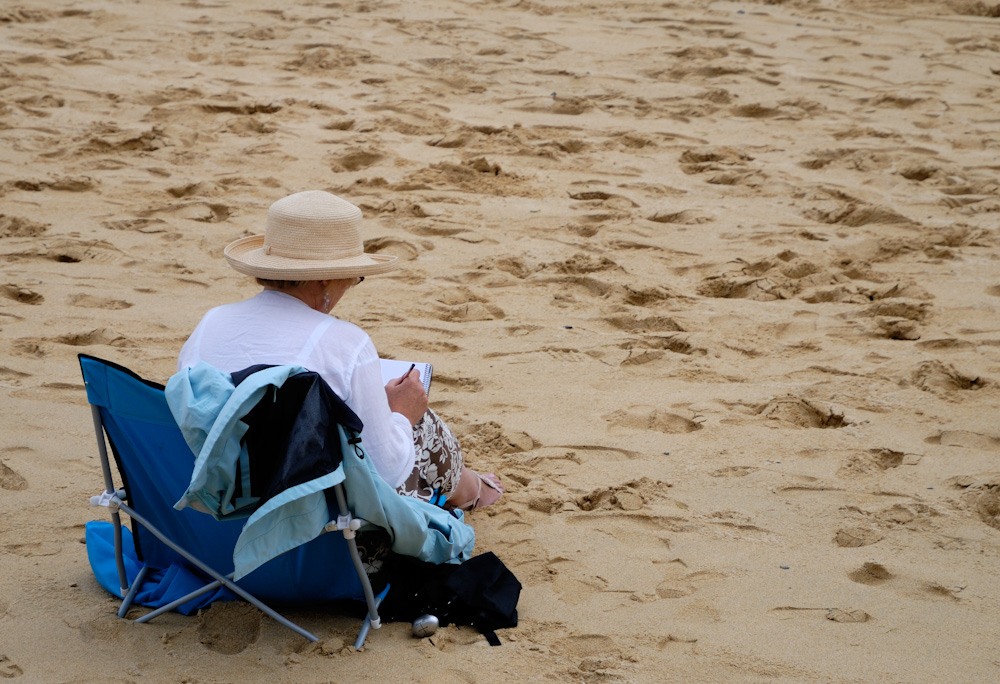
310,235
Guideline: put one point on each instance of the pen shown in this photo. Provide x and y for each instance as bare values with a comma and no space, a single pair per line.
407,373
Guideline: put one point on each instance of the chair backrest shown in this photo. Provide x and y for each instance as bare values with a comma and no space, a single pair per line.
155,464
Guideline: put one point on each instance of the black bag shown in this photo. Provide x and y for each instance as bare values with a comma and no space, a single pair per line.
480,592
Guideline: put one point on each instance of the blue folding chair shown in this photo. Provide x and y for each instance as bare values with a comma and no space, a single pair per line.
154,463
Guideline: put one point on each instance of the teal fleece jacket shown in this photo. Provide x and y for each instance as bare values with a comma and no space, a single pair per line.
208,407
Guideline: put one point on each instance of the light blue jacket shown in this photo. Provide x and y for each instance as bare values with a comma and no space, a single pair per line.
208,408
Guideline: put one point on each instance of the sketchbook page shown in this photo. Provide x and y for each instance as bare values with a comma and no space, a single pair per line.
393,369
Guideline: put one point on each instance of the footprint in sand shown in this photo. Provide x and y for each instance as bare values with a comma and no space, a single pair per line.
461,304
641,358
571,285
651,418
679,582
877,575
492,439
945,344
203,212
20,294
727,286
327,58
987,505
455,382
856,160
16,226
58,392
629,496
897,329
28,346
521,330
576,591
65,184
651,324
934,376
478,175
649,296
395,207
784,276
648,348
587,646
755,110
853,537
87,301
966,439
855,615
8,668
434,345
802,413
981,495
732,524
836,209
581,264
355,160
871,574
848,616
71,251
10,479
11,377
909,515
703,159
470,311
140,225
876,460
734,471
229,628
800,329
683,217
897,319
107,628
108,138
404,249
572,581
92,337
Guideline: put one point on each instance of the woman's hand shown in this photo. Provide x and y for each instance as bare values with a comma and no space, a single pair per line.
407,396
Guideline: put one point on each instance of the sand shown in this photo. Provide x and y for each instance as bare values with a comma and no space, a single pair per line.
713,286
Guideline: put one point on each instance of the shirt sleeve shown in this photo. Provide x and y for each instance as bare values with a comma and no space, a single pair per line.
387,436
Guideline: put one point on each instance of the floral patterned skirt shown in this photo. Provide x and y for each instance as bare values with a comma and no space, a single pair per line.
436,473
439,460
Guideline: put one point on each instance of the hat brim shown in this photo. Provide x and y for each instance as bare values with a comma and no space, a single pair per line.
247,256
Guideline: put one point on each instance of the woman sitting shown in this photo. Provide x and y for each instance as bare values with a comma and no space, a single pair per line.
310,256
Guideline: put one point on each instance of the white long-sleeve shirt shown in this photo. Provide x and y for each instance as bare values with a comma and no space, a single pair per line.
276,328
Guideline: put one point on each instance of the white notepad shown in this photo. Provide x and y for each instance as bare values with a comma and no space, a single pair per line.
394,370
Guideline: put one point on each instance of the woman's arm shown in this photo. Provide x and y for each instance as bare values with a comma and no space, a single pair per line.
387,436
408,396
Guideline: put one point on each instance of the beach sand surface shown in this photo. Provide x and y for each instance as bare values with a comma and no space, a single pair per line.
714,287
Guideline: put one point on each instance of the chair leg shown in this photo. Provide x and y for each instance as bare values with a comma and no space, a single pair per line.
130,596
224,581
211,586
352,546
366,625
109,487
372,619
116,522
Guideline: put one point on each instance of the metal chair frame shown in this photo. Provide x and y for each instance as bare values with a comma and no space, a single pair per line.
115,499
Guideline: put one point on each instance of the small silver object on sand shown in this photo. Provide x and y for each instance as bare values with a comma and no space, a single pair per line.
425,626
